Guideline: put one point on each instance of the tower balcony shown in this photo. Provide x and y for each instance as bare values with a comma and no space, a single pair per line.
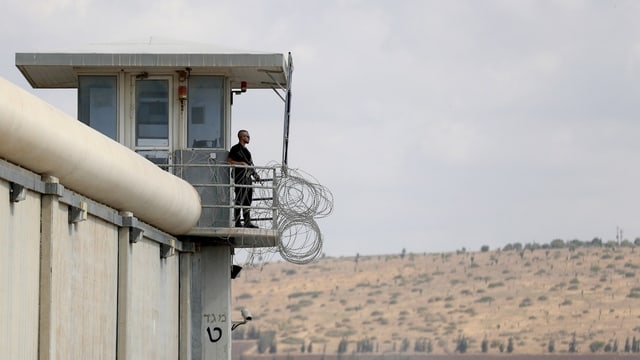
208,172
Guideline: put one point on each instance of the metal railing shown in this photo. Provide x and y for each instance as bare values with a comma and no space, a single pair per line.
217,188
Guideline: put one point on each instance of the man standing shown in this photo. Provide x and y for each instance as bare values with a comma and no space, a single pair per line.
240,155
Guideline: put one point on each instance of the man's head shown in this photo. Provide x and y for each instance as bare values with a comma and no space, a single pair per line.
243,137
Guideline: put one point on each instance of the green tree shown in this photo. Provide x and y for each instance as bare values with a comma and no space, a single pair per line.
461,344
365,345
484,345
510,345
557,244
573,344
404,347
342,346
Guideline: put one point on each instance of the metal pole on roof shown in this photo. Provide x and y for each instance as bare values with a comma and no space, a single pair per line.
287,113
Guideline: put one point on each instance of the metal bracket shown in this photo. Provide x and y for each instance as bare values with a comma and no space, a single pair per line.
236,323
167,250
135,233
17,192
78,213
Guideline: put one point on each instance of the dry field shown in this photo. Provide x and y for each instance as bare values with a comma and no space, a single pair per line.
393,302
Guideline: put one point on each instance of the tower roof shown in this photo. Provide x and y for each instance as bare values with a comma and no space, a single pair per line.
59,69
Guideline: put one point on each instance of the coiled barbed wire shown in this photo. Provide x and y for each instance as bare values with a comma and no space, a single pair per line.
300,240
299,199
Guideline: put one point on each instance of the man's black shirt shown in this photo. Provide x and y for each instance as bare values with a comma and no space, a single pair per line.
241,153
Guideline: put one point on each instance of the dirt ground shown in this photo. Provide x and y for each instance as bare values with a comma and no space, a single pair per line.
533,298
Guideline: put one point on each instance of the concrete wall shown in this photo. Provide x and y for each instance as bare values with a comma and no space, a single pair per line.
19,275
86,289
149,308
78,277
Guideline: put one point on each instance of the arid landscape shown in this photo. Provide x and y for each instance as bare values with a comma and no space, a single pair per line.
562,298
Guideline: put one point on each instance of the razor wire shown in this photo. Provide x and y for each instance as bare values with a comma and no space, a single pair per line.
299,199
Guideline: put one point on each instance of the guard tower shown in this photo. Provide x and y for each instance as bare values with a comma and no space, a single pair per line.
171,102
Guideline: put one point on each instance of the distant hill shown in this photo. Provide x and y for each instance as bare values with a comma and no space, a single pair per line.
528,301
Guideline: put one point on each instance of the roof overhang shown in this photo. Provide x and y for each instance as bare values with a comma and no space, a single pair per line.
61,69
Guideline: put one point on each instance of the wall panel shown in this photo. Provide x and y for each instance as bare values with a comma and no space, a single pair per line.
19,275
150,327
81,290
79,285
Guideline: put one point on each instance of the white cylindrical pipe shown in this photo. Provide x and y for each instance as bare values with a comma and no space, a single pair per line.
45,140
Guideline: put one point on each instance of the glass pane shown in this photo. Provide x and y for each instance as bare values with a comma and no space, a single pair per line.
158,157
206,112
152,113
97,104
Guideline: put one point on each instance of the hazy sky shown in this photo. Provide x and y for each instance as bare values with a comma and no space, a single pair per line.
437,125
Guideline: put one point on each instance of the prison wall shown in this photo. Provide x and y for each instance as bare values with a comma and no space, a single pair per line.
89,267
78,278
19,275
149,302
99,285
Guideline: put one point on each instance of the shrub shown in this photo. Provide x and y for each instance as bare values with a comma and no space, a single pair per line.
634,294
595,346
525,302
313,294
566,302
299,305
485,299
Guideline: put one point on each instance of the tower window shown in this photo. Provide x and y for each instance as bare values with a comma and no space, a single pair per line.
97,104
206,112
